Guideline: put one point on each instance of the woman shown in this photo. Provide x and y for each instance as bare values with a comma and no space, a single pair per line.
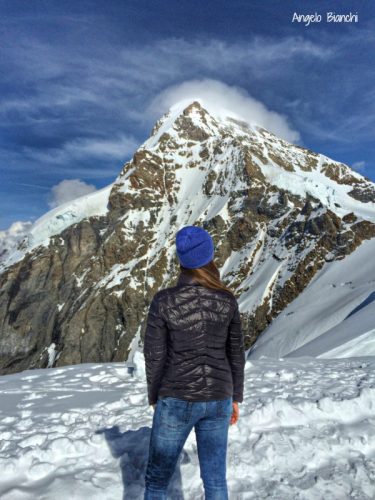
194,357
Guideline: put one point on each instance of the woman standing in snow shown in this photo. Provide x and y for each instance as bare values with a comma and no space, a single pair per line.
194,356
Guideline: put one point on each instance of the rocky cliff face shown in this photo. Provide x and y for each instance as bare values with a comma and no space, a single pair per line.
277,213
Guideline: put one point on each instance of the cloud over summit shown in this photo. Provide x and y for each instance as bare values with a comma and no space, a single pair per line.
218,97
67,190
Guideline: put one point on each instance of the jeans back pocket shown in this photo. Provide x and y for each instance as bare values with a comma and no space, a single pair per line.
224,408
174,413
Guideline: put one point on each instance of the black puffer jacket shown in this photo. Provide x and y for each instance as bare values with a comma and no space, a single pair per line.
193,344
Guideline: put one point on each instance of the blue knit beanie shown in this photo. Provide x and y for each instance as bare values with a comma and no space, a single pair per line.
195,247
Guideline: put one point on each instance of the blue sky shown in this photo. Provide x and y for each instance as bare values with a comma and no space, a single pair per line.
83,82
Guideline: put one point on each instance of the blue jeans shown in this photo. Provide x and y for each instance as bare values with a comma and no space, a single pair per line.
172,422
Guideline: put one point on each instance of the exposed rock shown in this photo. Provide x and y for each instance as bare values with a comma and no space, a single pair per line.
350,217
282,163
364,193
340,173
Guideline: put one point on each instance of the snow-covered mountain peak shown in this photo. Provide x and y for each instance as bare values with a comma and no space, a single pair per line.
184,116
278,214
221,144
197,120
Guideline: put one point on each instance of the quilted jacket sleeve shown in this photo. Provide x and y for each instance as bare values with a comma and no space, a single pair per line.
236,354
155,350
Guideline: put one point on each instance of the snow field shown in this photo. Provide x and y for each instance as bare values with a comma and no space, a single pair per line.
332,317
306,431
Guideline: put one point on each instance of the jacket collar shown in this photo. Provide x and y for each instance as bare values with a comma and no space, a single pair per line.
186,279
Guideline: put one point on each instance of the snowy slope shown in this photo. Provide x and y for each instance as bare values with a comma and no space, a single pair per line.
354,336
331,193
51,223
306,432
332,317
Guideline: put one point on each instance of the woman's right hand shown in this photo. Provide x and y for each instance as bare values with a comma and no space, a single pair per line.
235,413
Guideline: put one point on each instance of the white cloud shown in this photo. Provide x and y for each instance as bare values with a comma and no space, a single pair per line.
115,148
360,166
9,238
119,147
16,229
219,98
67,190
